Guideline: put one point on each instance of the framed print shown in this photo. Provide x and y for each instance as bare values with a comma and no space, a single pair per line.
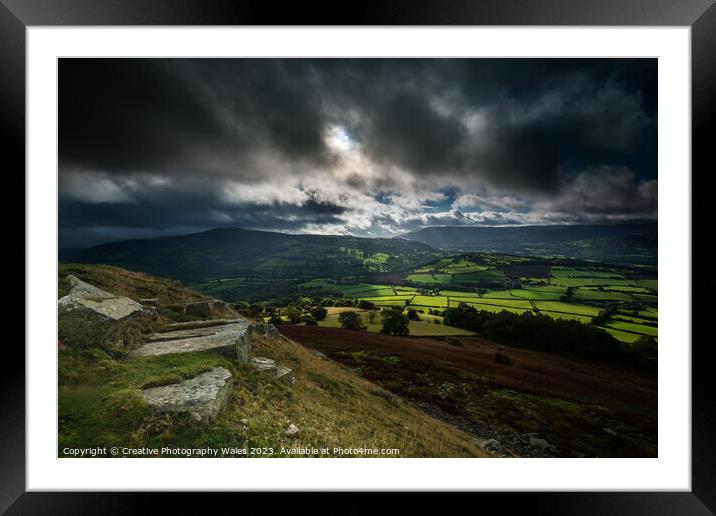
453,242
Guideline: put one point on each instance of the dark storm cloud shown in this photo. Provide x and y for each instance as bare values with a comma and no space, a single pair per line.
185,116
154,144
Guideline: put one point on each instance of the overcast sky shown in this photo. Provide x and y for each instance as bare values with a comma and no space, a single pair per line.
370,147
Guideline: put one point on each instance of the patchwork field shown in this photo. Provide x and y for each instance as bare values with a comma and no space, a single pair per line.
499,282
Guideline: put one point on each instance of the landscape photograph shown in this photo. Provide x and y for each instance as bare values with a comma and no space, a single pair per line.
357,257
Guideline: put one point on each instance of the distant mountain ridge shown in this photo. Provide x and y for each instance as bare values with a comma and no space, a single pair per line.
237,252
617,243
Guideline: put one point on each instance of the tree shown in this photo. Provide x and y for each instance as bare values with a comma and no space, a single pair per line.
255,310
413,315
365,305
319,313
372,315
395,322
351,321
309,320
293,314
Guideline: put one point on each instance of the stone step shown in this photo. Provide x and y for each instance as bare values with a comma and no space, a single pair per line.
180,334
227,338
281,373
200,323
202,397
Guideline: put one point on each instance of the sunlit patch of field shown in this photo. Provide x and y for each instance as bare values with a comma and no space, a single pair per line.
567,308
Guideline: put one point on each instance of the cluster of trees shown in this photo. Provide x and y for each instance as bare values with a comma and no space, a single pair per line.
393,321
559,336
310,311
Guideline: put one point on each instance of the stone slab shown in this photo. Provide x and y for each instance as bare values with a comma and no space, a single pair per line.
202,397
225,338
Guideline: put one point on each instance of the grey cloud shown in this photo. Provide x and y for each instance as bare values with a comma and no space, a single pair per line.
155,144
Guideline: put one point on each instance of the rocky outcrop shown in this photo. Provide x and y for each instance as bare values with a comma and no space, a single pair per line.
229,338
89,316
202,397
95,302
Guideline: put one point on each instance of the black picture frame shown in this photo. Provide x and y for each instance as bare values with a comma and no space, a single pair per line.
700,15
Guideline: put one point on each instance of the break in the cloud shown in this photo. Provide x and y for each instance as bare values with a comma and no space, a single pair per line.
360,146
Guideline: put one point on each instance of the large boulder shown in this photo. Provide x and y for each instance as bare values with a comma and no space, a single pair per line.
202,397
89,316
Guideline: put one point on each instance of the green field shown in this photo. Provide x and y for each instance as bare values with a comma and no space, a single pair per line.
568,272
437,278
587,295
567,308
633,328
559,315
538,294
587,282
577,293
649,283
622,335
431,301
493,308
508,303
457,293
489,275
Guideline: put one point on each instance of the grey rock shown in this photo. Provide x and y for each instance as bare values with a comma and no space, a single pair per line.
149,301
280,373
494,445
285,375
358,371
271,333
610,431
205,309
202,397
89,299
541,444
292,429
226,338
318,354
89,316
200,323
263,364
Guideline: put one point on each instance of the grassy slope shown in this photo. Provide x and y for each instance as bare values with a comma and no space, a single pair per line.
125,283
100,402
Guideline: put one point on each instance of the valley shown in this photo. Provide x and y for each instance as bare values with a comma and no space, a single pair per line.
528,355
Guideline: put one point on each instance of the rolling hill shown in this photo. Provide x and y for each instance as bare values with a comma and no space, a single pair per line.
235,252
616,243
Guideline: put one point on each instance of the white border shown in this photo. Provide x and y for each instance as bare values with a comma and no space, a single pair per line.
670,471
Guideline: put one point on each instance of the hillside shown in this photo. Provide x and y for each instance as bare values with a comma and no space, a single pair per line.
328,405
617,243
580,407
235,252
